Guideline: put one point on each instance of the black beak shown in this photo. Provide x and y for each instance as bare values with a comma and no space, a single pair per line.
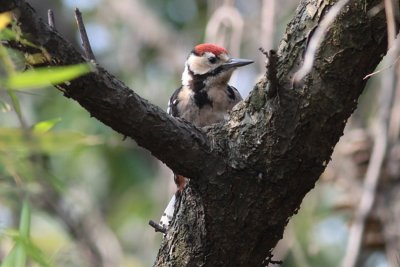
236,62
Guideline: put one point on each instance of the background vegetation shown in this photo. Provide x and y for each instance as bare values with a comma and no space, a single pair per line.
72,189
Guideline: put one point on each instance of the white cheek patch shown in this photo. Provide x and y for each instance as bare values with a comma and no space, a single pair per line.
201,65
198,64
186,77
224,57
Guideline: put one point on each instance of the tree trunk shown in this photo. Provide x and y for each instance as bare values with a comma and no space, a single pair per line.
248,175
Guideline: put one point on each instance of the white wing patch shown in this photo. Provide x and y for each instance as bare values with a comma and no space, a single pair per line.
169,107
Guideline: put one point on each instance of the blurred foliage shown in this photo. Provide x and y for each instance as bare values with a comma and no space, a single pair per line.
18,147
53,153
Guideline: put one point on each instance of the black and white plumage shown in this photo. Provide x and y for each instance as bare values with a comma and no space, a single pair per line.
204,106
204,98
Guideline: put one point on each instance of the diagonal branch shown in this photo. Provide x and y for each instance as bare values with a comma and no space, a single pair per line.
84,37
270,153
177,143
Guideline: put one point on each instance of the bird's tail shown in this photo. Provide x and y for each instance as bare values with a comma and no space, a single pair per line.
168,214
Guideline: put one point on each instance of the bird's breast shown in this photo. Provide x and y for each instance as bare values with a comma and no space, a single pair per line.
205,107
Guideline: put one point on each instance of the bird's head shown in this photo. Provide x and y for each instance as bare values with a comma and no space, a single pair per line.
210,63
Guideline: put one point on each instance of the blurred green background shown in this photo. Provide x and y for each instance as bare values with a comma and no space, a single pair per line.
92,192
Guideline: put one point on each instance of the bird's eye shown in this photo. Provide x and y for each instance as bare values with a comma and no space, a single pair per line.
212,60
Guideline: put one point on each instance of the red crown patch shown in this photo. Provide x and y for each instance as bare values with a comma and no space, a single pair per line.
215,49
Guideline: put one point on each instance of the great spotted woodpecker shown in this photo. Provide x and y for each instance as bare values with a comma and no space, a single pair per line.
204,98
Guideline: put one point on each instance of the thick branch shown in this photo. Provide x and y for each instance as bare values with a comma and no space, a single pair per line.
274,149
180,145
280,146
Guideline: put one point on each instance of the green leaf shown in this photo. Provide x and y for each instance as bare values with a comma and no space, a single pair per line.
25,220
4,106
7,35
40,77
24,228
15,102
23,245
45,126
36,254
9,260
23,248
20,255
13,142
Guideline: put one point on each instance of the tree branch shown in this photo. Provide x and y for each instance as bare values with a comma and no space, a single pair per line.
257,167
315,39
177,143
84,37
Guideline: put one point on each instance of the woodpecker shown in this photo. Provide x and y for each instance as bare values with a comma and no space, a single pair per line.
204,98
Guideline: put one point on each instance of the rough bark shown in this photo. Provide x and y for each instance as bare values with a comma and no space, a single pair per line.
250,174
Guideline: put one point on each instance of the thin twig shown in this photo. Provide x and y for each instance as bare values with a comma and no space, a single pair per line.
385,68
271,72
390,10
367,200
267,24
391,21
268,260
389,226
85,39
394,127
50,18
316,40
86,225
157,227
291,244
374,168
264,52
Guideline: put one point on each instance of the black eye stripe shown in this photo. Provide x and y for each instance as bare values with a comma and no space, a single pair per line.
212,60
